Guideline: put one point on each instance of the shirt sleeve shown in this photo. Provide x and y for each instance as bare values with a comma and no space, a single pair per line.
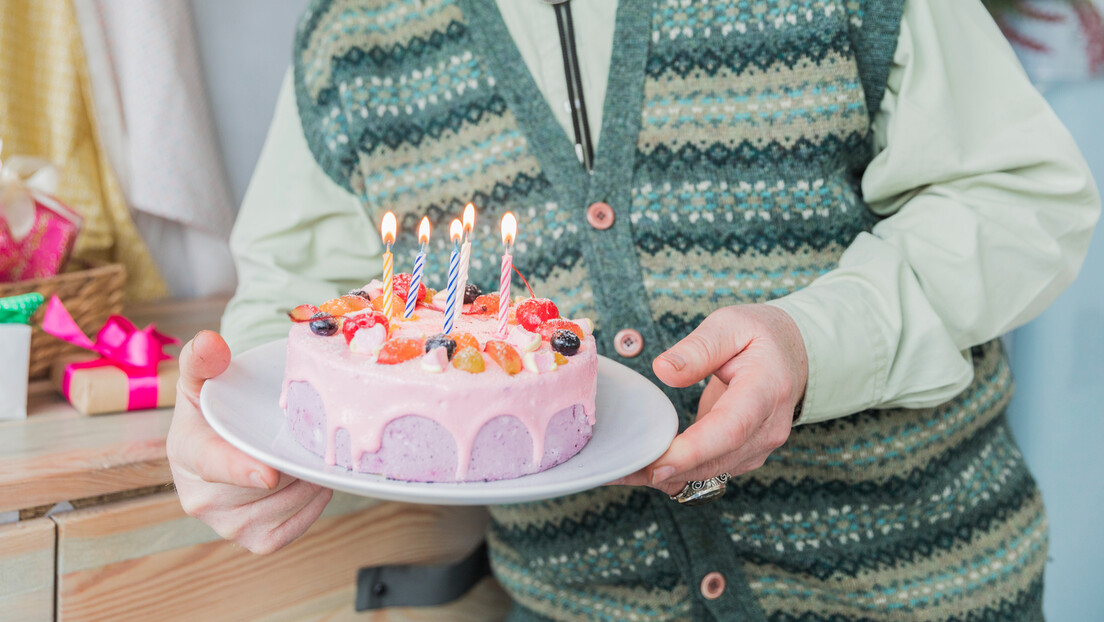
299,237
989,210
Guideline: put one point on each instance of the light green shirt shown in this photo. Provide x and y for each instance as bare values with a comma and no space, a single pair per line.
989,205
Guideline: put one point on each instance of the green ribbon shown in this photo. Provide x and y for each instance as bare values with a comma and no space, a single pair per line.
19,309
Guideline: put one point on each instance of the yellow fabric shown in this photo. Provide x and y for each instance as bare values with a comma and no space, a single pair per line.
46,111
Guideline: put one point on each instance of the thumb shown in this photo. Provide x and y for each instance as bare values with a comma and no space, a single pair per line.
712,344
204,357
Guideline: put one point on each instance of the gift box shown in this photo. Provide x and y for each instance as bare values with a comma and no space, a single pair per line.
15,353
37,232
96,387
129,369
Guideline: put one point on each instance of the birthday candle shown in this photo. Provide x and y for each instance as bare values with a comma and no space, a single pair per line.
419,265
509,231
452,305
388,229
465,249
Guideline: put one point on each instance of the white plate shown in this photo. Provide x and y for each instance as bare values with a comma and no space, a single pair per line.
635,424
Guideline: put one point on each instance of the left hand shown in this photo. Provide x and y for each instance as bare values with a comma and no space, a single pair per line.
759,368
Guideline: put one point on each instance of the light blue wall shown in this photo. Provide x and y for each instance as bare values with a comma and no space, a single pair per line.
1058,411
245,46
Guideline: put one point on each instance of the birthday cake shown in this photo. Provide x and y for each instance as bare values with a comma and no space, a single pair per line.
397,396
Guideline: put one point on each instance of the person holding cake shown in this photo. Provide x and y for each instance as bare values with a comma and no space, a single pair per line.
809,222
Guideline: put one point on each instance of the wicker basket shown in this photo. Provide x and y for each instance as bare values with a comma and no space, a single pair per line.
91,296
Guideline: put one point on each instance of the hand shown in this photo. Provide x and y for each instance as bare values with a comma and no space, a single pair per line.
240,498
759,368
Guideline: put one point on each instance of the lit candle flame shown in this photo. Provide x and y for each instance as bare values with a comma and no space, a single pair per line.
423,231
456,231
469,218
388,228
509,228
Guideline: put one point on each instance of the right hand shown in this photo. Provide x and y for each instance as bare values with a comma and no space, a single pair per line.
240,498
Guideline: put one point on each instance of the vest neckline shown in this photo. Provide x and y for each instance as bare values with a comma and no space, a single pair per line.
549,143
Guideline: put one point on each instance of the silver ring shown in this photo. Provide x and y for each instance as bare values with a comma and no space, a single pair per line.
700,492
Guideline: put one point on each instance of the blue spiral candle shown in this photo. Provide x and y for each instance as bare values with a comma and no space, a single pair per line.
419,266
452,305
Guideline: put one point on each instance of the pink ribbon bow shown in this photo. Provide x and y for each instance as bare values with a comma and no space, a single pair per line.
119,343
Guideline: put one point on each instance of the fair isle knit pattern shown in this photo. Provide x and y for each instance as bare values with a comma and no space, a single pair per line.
735,136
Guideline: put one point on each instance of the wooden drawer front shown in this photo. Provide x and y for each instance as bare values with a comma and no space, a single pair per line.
145,559
27,570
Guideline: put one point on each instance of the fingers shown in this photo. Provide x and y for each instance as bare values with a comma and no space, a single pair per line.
712,344
713,391
269,524
194,447
202,358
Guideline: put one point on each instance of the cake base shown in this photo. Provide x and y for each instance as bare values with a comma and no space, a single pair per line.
416,448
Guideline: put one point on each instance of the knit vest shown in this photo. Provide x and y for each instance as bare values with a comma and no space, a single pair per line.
735,134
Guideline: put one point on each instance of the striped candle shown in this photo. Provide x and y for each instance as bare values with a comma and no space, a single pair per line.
419,266
509,231
452,305
388,229
465,250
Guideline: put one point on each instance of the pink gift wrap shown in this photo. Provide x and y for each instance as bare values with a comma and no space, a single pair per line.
43,252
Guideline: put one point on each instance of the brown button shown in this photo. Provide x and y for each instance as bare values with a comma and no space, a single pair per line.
628,343
600,216
713,585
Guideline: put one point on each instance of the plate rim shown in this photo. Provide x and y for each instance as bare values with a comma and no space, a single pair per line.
434,493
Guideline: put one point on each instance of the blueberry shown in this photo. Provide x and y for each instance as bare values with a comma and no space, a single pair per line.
471,292
359,292
323,324
441,340
565,342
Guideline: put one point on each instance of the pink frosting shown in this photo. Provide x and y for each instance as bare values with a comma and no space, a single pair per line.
363,397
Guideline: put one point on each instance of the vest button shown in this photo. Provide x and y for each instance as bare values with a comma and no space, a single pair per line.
628,343
713,585
600,216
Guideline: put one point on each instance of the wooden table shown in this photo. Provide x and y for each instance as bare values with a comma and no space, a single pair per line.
128,552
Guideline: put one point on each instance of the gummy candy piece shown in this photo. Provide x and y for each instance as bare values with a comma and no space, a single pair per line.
336,307
400,350
466,340
469,360
560,359
505,355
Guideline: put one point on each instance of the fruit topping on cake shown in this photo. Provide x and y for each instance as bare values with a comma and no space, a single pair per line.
436,360
355,323
487,304
471,292
468,359
400,350
466,340
533,312
504,355
565,342
548,327
401,286
443,341
303,313
539,362
323,324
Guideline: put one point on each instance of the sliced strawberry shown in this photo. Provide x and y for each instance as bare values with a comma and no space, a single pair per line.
303,313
